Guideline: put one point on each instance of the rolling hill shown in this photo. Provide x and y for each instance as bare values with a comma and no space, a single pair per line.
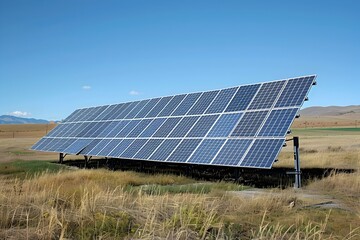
332,116
8,119
332,111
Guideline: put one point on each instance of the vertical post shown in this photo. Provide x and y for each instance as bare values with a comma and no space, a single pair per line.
61,158
297,163
86,161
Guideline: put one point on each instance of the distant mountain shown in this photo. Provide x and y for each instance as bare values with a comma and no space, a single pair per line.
332,111
8,119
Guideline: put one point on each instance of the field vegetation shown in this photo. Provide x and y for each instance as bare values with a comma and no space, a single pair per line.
43,200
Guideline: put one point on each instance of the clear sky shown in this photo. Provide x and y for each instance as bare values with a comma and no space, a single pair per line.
56,56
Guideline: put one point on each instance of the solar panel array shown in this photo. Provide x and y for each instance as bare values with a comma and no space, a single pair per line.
242,126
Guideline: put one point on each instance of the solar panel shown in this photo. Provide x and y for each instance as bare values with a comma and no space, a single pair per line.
232,152
224,125
242,126
206,151
165,149
184,150
148,148
249,124
242,98
184,126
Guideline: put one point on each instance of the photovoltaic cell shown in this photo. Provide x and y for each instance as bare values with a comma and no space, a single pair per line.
136,109
186,104
165,149
150,105
167,127
139,128
93,127
148,148
206,151
83,113
133,148
262,153
77,146
184,150
159,106
81,129
97,149
117,128
88,116
174,102
153,127
128,128
222,100
242,98
224,125
91,145
39,143
107,150
116,111
232,152
107,111
54,144
60,130
267,95
72,129
97,111
249,124
203,103
126,109
54,131
184,126
109,126
202,126
72,115
278,122
295,92
45,145
121,148
77,115
66,144
99,128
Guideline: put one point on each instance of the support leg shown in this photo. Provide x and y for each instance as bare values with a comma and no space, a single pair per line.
86,161
297,163
61,158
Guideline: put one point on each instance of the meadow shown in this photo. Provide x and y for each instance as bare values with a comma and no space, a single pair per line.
43,200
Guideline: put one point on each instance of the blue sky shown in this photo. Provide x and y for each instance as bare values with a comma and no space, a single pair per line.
56,56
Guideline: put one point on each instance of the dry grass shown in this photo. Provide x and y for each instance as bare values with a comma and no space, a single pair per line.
324,149
100,204
25,130
87,204
343,186
329,121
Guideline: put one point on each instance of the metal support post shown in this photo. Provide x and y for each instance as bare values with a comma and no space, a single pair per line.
86,161
297,163
61,158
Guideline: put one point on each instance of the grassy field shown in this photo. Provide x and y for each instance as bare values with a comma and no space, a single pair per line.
42,200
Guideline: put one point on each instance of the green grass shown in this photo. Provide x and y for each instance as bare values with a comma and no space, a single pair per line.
20,168
325,131
194,188
353,129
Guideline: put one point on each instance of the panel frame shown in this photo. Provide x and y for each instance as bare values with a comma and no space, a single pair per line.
96,116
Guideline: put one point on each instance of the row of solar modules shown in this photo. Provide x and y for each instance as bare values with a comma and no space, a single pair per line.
261,96
225,152
275,123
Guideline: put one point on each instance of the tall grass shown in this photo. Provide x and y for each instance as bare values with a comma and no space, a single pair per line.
99,204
